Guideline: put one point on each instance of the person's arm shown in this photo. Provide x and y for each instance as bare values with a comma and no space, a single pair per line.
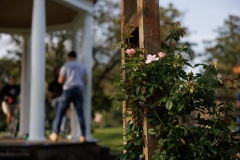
61,76
61,79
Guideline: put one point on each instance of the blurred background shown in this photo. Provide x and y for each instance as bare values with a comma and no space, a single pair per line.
212,33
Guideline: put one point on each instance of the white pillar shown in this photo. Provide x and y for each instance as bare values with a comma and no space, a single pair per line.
87,61
37,106
76,43
25,87
75,127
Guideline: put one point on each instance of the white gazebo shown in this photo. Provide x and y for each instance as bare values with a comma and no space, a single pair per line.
32,19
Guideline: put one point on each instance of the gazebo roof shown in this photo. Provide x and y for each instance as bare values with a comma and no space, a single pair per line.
16,15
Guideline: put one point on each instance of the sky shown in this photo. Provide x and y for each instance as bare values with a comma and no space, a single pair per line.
202,17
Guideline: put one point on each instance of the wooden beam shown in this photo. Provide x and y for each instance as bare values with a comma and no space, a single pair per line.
133,23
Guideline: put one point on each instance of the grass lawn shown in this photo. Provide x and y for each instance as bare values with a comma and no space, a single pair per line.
109,137
2,133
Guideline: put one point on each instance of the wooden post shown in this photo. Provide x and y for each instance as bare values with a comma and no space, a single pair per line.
145,17
149,39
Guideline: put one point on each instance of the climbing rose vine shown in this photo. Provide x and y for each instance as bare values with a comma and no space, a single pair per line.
156,86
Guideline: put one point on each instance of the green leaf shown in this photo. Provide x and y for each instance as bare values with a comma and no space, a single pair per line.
171,113
118,105
216,131
150,89
180,107
151,131
164,99
151,119
157,151
157,133
171,158
169,104
124,46
138,142
137,90
123,156
171,145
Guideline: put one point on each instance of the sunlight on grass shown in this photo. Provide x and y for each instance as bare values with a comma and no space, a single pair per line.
109,137
2,133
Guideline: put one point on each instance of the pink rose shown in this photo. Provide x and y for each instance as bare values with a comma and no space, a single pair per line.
130,52
161,54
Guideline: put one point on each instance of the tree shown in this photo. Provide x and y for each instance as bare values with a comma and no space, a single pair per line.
225,48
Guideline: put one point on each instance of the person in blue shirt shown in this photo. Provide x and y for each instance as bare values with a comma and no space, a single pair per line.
73,76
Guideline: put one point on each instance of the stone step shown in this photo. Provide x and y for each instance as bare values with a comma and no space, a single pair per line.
15,156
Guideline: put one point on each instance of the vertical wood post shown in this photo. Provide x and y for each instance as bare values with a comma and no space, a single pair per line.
149,39
145,16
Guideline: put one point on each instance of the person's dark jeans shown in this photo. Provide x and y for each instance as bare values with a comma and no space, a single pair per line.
71,95
55,103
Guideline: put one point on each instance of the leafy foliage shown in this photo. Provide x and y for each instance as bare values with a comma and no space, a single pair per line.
167,92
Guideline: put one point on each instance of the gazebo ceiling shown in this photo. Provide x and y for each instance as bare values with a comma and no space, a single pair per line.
17,14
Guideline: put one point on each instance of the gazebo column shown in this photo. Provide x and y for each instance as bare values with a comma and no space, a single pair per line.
37,106
25,87
75,127
87,61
